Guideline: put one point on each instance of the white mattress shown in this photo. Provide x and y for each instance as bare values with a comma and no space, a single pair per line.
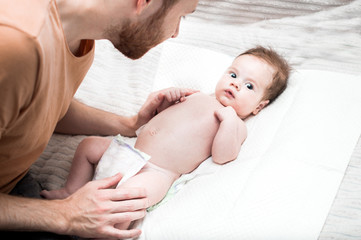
288,172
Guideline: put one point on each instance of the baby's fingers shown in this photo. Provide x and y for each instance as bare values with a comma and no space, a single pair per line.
173,94
188,91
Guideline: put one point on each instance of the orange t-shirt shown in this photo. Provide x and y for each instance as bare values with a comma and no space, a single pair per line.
38,79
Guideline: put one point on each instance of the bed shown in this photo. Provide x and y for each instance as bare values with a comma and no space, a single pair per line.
298,174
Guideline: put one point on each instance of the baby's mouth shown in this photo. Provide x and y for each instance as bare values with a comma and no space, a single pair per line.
229,93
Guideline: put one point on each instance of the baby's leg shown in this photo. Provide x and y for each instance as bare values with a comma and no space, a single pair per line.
155,180
87,155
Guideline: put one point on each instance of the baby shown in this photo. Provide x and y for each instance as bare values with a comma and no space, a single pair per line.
189,128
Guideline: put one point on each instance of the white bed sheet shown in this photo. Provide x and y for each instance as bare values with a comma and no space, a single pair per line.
287,174
289,169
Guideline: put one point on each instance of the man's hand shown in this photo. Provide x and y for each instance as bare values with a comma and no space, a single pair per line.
94,209
90,212
160,100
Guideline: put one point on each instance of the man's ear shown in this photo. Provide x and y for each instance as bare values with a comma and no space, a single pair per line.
260,106
141,5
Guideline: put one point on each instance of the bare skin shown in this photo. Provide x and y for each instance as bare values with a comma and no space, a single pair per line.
189,128
171,135
163,141
93,210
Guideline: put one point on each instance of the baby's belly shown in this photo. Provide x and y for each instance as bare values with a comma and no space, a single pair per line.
180,138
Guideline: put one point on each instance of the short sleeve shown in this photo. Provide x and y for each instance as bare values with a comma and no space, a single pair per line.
18,74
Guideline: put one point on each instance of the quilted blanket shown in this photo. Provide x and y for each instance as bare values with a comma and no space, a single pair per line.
321,40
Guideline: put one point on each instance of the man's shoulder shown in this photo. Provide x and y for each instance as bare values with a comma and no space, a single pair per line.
20,23
16,46
23,15
19,61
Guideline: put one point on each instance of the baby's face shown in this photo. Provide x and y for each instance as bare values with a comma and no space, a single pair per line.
244,84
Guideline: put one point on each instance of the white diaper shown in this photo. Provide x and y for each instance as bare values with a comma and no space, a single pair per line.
120,157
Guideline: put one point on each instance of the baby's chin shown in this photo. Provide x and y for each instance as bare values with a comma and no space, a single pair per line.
218,97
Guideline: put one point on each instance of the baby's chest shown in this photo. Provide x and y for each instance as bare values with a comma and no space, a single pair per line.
198,115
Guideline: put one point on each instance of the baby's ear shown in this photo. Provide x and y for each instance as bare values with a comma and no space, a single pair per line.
260,106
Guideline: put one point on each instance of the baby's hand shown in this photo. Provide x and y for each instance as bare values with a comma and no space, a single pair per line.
173,95
158,101
225,113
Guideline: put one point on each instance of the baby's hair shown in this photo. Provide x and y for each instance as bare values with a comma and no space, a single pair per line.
279,64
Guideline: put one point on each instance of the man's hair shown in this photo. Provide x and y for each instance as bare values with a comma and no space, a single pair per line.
279,64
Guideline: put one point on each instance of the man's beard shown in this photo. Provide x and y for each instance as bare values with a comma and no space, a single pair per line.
135,40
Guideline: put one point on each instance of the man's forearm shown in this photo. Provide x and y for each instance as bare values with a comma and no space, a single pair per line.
28,214
82,119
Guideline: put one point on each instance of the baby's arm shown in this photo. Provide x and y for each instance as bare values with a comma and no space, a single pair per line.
231,134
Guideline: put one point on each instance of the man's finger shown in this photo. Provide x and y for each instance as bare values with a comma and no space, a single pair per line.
123,234
127,216
120,194
129,205
108,182
155,103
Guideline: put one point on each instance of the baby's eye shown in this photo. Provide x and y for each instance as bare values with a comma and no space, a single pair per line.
233,75
249,86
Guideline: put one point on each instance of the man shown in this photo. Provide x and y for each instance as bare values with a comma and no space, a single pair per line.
46,48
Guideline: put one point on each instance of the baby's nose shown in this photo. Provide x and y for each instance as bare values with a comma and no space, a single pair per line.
236,85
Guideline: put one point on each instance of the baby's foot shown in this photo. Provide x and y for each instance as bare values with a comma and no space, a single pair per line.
55,194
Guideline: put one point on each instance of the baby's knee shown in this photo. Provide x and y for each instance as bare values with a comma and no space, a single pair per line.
88,142
93,146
